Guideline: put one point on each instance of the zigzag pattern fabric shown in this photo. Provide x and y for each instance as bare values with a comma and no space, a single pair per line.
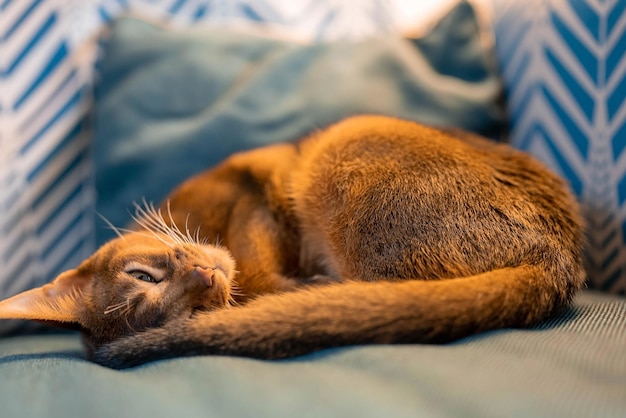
564,65
45,172
308,20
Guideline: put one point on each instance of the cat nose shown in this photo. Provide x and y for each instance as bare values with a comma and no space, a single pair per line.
205,274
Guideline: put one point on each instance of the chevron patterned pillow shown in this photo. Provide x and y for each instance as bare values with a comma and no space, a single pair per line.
47,198
564,66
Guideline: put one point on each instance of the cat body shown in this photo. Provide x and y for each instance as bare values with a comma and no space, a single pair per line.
375,230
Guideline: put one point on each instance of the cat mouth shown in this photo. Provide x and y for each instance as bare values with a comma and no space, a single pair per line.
214,292
213,303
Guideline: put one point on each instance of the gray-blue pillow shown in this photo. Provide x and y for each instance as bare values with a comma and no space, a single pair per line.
172,103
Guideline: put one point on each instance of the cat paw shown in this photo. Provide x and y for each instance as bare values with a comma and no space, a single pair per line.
138,349
109,355
123,354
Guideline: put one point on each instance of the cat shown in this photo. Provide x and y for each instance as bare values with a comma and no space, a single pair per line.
375,230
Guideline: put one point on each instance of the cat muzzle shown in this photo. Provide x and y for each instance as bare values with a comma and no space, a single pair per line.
206,274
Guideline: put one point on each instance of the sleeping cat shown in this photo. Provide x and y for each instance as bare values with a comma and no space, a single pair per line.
375,230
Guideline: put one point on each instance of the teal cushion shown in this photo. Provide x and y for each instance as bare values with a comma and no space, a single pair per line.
172,103
565,74
573,366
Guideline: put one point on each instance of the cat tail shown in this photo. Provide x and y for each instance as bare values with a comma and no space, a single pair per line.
380,312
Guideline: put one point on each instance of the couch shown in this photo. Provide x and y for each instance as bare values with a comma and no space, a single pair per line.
167,103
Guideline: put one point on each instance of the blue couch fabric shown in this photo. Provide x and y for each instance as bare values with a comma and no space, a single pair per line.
572,366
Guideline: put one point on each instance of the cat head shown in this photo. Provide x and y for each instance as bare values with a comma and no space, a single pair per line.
137,281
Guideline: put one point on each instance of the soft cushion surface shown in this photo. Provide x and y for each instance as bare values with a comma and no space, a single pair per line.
573,366
565,72
172,103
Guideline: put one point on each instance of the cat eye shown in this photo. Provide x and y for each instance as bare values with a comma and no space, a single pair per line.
142,275
144,272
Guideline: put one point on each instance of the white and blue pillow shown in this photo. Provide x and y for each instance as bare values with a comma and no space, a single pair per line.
564,66
46,174
308,20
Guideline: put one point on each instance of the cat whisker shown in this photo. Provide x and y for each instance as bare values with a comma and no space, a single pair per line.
235,290
197,236
153,222
126,312
173,227
154,234
150,235
191,239
187,236
112,308
149,216
110,225
231,303
126,230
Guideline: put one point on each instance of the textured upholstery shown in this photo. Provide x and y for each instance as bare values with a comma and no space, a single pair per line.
573,366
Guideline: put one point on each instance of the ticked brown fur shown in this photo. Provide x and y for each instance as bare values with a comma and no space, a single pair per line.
375,230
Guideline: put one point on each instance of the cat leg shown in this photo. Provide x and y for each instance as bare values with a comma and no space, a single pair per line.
266,255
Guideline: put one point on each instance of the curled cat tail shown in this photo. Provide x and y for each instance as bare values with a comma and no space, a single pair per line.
380,312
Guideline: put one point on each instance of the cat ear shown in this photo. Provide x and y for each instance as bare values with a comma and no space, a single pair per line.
58,301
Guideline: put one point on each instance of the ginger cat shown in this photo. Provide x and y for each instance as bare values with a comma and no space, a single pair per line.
375,230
